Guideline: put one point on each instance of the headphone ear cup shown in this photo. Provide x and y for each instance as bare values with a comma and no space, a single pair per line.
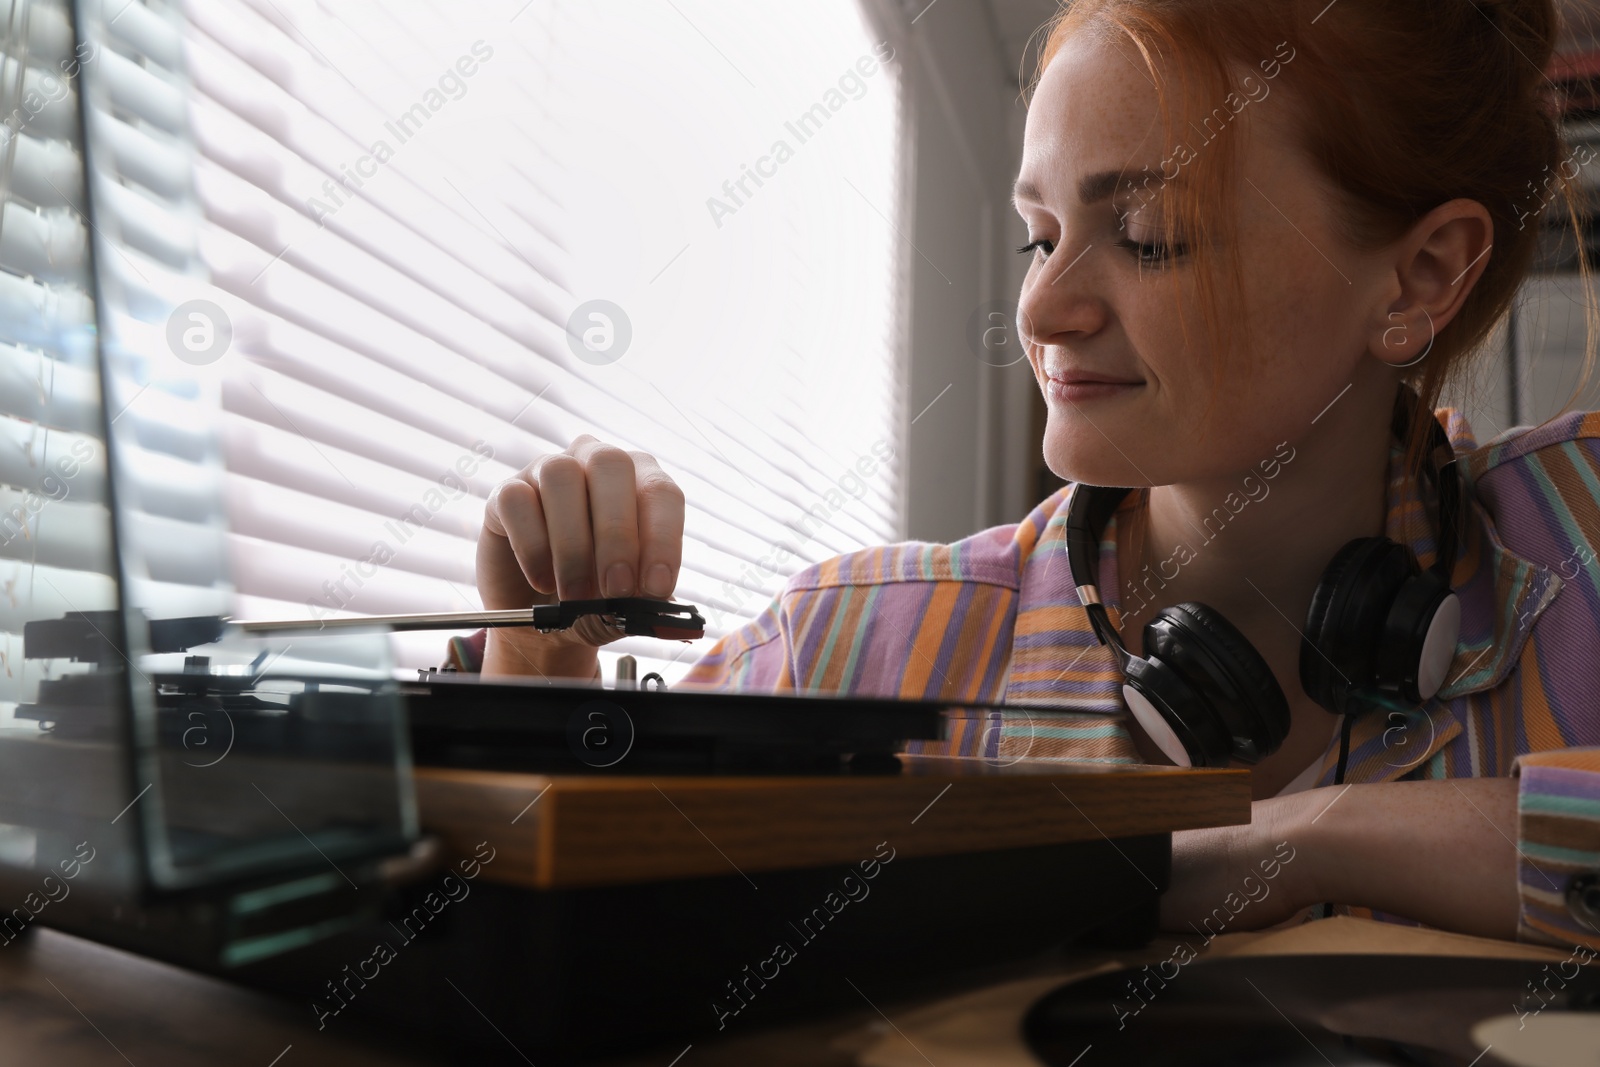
1346,619
1174,716
1318,674
1219,663
1419,639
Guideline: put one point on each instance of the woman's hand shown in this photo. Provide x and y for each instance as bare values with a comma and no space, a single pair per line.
592,521
1231,878
1439,851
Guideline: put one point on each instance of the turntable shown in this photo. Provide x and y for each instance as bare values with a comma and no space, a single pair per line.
522,724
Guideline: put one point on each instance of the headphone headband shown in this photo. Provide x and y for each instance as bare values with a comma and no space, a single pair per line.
1442,470
1091,508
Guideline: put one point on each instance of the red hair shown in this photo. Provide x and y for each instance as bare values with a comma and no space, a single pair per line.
1402,106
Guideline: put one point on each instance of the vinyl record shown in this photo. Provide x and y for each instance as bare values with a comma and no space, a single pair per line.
1308,1010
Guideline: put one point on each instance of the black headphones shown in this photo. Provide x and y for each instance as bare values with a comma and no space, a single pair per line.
1379,627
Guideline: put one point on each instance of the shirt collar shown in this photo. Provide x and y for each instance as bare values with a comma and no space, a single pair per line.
1502,594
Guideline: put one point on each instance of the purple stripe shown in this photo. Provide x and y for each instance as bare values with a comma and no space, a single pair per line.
889,646
819,604
1548,538
1560,781
1056,639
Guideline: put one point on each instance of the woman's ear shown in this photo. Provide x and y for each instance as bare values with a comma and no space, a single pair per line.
1436,264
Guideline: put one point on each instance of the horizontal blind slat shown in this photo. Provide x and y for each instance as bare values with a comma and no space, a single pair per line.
38,389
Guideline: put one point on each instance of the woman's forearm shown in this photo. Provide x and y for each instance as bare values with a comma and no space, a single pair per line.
1442,852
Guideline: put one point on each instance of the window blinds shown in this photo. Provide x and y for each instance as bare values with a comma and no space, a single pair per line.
54,524
161,394
404,206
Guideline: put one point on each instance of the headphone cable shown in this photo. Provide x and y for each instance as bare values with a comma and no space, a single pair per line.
1344,748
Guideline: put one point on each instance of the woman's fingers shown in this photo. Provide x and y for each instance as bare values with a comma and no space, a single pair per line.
592,521
660,510
516,546
613,514
564,495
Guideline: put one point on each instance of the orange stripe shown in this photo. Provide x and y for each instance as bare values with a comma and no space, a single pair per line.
970,659
930,635
1080,674
1503,721
1538,721
1580,759
1026,537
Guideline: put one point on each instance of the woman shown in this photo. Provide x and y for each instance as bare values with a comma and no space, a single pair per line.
1258,233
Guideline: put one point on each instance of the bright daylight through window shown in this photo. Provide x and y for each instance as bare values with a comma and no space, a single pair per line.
407,205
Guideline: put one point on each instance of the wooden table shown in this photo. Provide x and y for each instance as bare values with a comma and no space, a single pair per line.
75,1003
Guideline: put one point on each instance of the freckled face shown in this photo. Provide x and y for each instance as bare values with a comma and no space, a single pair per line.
1097,298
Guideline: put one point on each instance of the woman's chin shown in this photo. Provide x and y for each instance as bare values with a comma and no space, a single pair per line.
1093,459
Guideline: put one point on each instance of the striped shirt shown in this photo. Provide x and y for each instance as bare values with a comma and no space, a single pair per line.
995,617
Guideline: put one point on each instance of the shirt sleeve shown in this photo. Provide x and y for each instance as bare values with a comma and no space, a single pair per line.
808,639
1558,831
865,638
753,657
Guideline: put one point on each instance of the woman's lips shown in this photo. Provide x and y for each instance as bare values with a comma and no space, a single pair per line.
1077,391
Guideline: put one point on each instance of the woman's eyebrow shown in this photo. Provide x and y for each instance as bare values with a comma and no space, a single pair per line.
1092,188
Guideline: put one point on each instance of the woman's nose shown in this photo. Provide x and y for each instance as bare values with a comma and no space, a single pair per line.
1060,299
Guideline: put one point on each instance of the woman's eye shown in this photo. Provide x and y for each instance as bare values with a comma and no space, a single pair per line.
1152,254
1042,244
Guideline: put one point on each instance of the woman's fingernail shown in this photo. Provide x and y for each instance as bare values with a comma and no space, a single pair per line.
658,580
619,580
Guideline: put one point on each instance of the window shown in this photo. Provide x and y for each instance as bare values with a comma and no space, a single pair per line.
406,205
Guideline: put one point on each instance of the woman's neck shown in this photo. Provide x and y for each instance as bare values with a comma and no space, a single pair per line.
1254,543
1258,558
